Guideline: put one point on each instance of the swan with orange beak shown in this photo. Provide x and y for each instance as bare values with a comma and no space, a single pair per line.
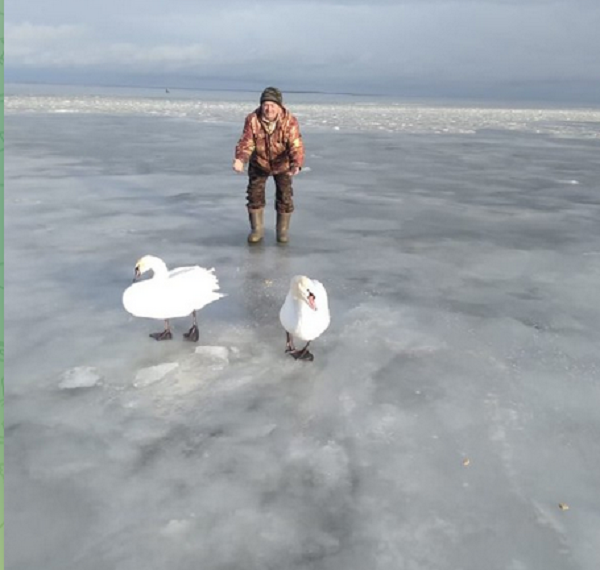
304,314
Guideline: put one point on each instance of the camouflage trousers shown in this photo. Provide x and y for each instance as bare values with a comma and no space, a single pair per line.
257,180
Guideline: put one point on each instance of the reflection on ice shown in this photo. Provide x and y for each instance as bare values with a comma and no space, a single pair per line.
462,273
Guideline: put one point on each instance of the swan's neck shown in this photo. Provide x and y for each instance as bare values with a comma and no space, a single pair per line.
159,268
299,299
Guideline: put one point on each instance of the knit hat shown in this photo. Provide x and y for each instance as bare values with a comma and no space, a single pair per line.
272,94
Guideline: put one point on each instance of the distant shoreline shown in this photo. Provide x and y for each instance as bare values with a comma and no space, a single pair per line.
18,88
178,88
414,95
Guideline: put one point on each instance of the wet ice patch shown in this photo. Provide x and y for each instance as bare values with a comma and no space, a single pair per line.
232,383
144,431
386,423
79,377
327,466
153,374
176,527
317,546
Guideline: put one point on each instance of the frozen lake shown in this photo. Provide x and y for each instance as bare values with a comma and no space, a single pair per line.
453,403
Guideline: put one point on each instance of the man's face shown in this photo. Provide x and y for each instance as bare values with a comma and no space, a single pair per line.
270,110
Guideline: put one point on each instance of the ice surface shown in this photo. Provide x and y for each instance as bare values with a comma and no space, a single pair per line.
462,270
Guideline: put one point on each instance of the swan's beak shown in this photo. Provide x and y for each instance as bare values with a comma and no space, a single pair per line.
311,301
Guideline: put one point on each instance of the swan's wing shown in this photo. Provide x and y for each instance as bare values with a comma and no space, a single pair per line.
185,290
144,299
288,314
204,278
196,286
184,270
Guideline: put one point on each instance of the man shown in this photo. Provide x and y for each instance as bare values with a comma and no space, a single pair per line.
272,145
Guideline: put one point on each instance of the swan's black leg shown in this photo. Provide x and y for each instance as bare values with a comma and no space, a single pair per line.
289,343
193,334
164,335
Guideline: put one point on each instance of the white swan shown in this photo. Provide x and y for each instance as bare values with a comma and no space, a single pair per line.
170,294
304,314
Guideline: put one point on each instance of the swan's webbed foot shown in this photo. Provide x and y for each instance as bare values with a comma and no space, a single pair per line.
303,354
164,335
192,335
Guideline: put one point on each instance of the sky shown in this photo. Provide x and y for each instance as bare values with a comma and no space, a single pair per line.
535,48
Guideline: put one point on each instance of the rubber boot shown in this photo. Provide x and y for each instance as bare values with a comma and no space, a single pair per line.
283,226
257,223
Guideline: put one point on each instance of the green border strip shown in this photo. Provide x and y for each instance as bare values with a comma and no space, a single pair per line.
2,316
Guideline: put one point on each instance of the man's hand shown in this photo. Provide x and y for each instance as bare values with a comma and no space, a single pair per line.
238,165
294,170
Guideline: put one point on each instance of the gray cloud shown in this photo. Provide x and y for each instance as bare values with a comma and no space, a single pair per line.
333,45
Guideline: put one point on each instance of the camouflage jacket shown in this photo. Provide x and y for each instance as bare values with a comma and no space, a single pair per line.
276,152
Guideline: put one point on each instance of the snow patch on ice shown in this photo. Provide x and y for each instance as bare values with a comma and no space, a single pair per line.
214,355
153,374
80,377
218,352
